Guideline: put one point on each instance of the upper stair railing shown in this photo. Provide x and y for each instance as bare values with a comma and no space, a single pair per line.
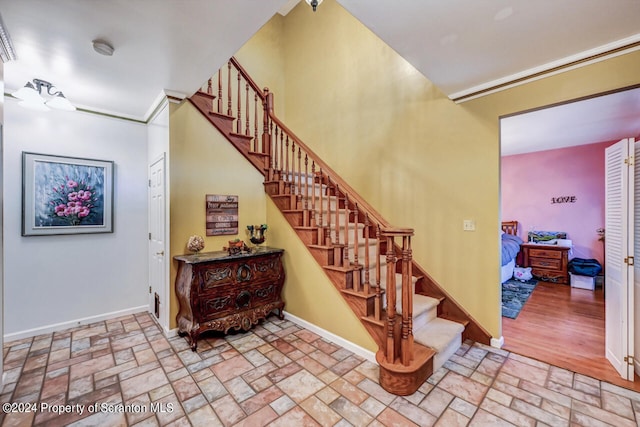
333,212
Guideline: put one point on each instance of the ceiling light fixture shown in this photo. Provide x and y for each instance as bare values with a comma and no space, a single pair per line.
31,96
103,47
314,3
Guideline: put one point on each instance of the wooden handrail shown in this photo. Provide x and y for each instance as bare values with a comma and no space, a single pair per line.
386,227
286,161
247,78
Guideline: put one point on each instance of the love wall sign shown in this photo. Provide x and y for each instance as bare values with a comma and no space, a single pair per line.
563,199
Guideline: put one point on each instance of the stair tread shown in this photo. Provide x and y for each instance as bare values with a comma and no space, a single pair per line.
341,268
438,333
358,294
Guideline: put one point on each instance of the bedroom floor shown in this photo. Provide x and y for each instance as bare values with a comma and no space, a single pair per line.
564,326
280,374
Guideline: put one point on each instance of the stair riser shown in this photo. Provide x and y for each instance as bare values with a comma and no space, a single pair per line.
423,318
341,279
324,256
282,202
308,236
445,354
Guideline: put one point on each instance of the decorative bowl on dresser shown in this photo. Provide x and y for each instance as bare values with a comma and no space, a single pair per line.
218,291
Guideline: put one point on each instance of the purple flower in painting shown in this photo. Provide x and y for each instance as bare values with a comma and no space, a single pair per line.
72,200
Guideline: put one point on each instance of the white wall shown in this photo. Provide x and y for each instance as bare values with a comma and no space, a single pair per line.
1,220
54,280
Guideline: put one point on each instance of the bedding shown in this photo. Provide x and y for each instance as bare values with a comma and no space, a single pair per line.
510,247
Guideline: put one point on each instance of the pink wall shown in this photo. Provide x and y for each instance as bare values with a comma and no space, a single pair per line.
530,181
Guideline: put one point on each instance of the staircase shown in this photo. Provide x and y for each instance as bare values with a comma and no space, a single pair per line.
415,323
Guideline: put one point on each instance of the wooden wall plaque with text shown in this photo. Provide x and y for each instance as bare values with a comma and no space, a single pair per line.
222,214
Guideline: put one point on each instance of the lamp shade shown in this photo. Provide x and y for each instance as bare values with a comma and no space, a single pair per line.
59,102
33,104
28,93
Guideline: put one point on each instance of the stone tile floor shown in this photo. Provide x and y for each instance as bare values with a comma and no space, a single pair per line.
126,372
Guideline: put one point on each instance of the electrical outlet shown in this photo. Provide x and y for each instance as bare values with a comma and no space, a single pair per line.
468,225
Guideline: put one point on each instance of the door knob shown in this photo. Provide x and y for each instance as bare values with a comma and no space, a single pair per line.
160,253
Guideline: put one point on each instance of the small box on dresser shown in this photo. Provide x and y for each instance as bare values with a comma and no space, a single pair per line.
582,282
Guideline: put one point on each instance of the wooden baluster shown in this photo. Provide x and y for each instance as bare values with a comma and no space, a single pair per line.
378,299
306,183
367,285
345,253
355,236
391,300
313,193
337,225
239,117
281,159
299,193
327,229
246,130
271,156
292,183
255,122
286,169
229,110
220,91
407,302
267,105
275,148
210,92
321,219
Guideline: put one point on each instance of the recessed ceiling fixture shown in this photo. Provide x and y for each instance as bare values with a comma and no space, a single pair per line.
31,96
314,3
103,47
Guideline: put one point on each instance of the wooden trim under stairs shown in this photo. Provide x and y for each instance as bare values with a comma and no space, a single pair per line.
415,323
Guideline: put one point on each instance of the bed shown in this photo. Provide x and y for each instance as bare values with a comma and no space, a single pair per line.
510,248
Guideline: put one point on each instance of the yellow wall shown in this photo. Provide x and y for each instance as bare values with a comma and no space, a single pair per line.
204,162
420,159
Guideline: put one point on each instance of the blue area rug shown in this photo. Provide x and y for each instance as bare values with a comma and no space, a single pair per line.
514,294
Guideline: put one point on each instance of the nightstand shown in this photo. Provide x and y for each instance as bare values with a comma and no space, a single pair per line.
547,262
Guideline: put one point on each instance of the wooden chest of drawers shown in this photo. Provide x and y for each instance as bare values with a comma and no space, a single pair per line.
547,262
218,292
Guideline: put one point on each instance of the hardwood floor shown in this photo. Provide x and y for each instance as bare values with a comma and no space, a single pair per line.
564,326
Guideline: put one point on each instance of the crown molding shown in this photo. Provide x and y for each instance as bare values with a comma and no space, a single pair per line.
600,53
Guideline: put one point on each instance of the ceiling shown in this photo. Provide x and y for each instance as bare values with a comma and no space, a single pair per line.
462,46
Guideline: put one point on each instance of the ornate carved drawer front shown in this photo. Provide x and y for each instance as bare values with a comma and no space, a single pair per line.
214,276
220,292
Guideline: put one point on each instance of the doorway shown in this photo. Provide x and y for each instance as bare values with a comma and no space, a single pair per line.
560,324
158,292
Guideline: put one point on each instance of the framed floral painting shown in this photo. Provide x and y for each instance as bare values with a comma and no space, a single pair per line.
66,195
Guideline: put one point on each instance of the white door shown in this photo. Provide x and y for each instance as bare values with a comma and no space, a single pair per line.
619,229
158,303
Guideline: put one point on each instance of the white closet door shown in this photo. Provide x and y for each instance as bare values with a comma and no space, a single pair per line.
619,214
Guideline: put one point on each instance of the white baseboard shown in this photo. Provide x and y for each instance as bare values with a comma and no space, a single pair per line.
354,348
497,342
47,329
